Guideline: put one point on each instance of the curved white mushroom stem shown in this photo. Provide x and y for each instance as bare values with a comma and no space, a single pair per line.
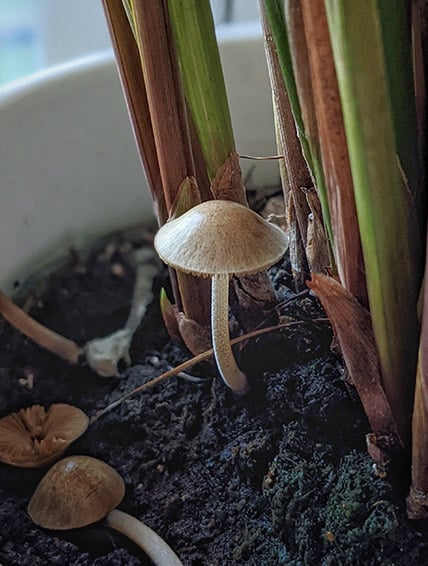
152,544
231,374
52,341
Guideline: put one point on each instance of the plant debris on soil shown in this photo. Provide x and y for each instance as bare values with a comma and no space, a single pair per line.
280,476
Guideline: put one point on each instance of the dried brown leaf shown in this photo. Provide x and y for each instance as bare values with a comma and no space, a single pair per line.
353,328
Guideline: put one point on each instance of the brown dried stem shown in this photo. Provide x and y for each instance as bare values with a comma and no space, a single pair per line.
131,76
296,174
171,133
417,501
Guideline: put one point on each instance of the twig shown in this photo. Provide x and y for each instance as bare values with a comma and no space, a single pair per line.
192,361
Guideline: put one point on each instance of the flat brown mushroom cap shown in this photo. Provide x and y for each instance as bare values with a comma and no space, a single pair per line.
220,236
34,437
76,492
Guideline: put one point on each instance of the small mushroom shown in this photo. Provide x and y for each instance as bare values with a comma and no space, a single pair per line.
34,437
80,490
219,239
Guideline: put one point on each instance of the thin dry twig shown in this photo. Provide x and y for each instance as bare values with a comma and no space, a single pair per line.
195,360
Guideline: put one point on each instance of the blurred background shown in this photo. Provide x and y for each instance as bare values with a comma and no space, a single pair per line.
37,34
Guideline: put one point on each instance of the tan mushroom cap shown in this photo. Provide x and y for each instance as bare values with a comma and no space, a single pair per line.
220,236
76,492
34,437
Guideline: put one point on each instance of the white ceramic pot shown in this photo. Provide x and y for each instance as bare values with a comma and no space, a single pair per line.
69,168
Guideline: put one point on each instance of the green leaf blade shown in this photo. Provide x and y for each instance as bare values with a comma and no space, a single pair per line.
203,80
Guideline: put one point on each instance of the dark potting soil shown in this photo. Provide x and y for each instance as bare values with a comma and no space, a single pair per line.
280,476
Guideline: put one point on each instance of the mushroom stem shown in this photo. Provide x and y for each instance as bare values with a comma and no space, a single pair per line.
52,341
152,544
231,374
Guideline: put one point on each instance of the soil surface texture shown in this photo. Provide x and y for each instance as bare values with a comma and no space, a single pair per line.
278,477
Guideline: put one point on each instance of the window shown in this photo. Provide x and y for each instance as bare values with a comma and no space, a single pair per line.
35,34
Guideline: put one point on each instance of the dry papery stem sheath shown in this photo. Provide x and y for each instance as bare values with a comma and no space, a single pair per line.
417,501
353,328
303,81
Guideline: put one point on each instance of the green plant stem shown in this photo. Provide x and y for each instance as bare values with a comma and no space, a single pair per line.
202,77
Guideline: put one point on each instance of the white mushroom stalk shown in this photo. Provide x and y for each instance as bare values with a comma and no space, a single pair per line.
226,364
146,538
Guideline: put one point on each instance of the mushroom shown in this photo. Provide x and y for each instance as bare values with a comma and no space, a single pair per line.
80,490
219,239
34,437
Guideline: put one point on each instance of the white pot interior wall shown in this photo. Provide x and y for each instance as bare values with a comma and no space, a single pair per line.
69,168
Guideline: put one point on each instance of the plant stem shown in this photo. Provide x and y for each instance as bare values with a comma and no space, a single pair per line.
334,152
132,80
202,75
172,138
417,500
294,172
165,99
288,36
